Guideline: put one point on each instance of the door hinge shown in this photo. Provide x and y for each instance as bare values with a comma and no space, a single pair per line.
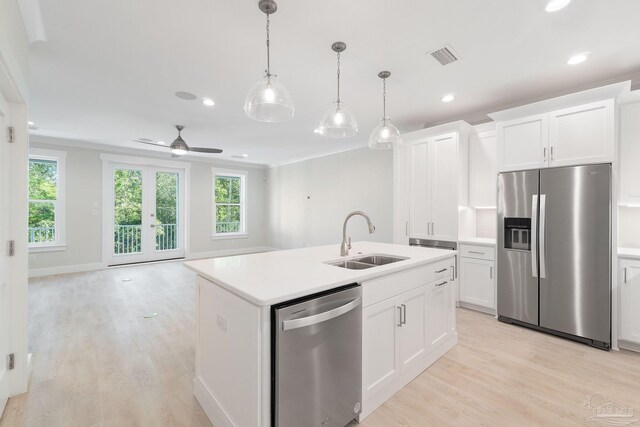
12,247
11,132
11,361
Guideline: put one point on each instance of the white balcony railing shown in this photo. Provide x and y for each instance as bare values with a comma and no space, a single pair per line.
128,238
227,227
42,234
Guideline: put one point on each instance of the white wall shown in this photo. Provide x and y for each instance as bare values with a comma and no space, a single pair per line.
629,227
309,200
84,229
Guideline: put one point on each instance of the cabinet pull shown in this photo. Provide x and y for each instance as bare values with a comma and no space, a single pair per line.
441,284
490,272
406,228
544,154
476,252
552,153
625,275
441,271
399,316
403,320
453,273
433,228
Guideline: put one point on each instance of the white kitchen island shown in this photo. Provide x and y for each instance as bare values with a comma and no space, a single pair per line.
234,298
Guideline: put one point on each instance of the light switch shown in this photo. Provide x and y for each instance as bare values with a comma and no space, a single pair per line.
221,322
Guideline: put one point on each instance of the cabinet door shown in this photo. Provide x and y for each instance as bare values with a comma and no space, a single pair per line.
440,312
522,143
582,134
401,194
482,170
413,336
380,338
630,153
477,283
420,214
630,297
443,168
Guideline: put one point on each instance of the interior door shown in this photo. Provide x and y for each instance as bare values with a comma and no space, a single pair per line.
146,212
575,251
4,264
443,165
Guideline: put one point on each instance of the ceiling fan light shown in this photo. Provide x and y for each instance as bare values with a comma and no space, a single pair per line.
179,151
338,122
385,136
269,101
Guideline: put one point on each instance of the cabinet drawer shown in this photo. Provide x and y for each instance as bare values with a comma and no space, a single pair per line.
477,251
376,290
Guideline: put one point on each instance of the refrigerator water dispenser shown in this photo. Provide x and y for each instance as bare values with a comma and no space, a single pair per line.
517,233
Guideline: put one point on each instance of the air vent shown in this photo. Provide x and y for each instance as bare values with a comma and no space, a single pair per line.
445,55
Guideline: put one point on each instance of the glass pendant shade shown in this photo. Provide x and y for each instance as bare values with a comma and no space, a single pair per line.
269,101
338,122
385,136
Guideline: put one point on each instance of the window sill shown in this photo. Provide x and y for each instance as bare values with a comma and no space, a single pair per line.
48,248
229,236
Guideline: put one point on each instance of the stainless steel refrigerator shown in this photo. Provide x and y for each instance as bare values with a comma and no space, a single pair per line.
554,251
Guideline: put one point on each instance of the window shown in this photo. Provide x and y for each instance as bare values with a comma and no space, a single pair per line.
46,198
229,203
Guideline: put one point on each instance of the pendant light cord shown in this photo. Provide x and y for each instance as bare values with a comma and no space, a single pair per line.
338,78
268,56
384,99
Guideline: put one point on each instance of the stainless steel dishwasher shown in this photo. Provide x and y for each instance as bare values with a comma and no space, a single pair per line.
316,359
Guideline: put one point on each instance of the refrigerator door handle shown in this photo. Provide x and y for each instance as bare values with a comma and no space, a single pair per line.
543,249
534,235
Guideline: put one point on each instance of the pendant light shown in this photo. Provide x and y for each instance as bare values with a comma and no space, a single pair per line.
385,135
268,100
338,122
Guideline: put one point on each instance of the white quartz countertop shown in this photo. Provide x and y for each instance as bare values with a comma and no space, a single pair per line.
272,277
484,241
633,253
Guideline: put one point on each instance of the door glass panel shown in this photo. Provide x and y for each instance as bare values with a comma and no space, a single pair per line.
166,211
127,186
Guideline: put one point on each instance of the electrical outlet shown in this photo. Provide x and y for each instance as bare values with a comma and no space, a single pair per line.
221,322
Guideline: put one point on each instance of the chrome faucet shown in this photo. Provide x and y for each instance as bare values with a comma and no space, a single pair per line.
346,244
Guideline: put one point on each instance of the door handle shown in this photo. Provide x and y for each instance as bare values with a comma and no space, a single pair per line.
534,235
399,316
403,320
543,221
321,317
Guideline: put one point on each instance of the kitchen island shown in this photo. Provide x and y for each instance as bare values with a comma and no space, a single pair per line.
234,298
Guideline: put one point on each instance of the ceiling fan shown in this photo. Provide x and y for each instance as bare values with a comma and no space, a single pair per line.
179,147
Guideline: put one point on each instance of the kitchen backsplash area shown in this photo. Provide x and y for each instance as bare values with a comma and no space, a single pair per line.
628,227
486,223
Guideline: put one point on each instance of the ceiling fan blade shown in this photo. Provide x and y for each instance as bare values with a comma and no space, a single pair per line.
205,150
150,143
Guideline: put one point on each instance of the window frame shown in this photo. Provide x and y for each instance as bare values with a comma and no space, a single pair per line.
60,158
243,175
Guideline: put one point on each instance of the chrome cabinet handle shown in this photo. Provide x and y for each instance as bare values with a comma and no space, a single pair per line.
433,228
399,316
406,228
404,315
442,284
625,275
476,252
441,271
453,273
552,153
544,154
490,272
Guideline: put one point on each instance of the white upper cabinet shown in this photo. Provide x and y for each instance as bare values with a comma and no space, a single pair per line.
420,191
482,169
443,168
570,130
630,153
401,194
583,134
522,143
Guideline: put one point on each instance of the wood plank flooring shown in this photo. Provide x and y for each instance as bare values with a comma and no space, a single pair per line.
98,362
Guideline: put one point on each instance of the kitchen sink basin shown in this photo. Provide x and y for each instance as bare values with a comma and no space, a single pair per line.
367,261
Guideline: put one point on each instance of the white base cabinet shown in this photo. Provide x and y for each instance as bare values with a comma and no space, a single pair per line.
477,284
630,301
404,334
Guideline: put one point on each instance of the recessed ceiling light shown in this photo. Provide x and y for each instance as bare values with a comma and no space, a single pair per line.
208,102
448,98
556,5
316,130
240,156
30,123
578,59
161,142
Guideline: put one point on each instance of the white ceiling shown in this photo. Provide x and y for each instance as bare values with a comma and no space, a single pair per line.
109,69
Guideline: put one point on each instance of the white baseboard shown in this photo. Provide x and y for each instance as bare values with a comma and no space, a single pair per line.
229,252
66,269
211,406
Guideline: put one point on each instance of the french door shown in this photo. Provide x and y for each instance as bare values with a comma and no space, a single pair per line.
5,191
146,213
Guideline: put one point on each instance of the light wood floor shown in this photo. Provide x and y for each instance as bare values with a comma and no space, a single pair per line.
98,362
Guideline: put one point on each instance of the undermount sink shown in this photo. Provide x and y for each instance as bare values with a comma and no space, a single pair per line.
367,261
